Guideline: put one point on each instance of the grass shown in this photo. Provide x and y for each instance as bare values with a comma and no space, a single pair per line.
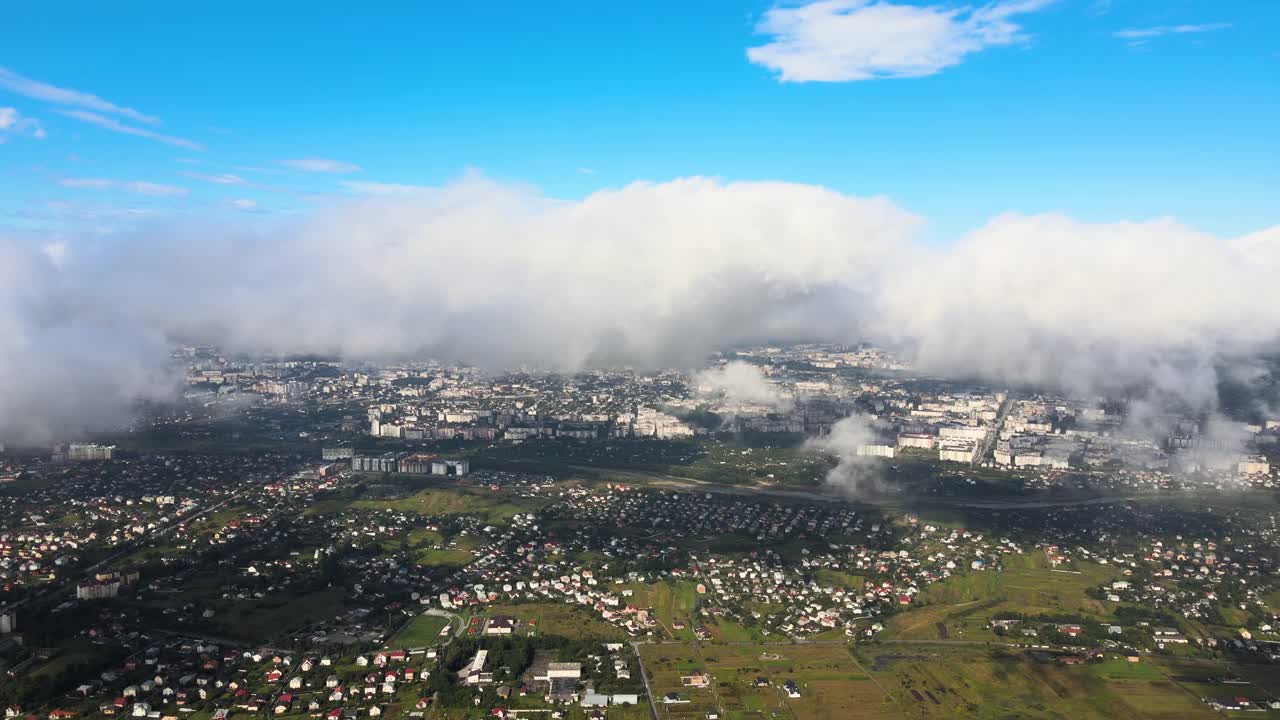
832,684
262,620
964,603
420,631
493,507
836,578
559,619
945,682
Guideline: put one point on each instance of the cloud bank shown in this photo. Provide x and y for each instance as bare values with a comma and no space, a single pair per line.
648,275
65,369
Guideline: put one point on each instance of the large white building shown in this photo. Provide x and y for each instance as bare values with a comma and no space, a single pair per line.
89,451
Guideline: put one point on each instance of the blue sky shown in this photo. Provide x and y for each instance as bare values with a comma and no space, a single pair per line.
1128,109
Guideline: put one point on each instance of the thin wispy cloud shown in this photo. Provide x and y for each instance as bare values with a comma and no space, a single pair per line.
1160,30
248,205
13,122
55,95
320,165
217,179
381,188
852,40
114,125
137,187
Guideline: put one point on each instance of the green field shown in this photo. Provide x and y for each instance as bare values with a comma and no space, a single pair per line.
261,620
492,506
672,604
549,618
948,681
963,604
832,684
420,631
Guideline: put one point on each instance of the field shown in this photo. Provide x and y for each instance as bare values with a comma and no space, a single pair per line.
747,682
935,681
263,619
430,548
672,605
963,604
573,712
420,631
493,507
548,618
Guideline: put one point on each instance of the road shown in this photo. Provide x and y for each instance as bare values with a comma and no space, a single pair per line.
989,441
644,675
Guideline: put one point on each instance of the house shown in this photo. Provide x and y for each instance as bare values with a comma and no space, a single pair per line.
473,673
561,679
500,625
793,690
696,680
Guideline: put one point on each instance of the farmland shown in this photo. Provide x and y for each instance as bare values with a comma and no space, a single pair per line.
963,604
747,681
937,681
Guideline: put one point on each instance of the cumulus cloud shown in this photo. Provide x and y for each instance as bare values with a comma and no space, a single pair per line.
15,123
651,274
740,383
1046,299
850,40
662,274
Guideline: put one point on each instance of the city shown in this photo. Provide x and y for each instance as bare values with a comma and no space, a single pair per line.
300,536
732,360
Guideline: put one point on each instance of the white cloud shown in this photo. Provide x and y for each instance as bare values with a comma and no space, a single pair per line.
1151,32
138,187
217,179
37,90
320,165
12,121
49,384
114,125
850,40
853,474
739,383
661,274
